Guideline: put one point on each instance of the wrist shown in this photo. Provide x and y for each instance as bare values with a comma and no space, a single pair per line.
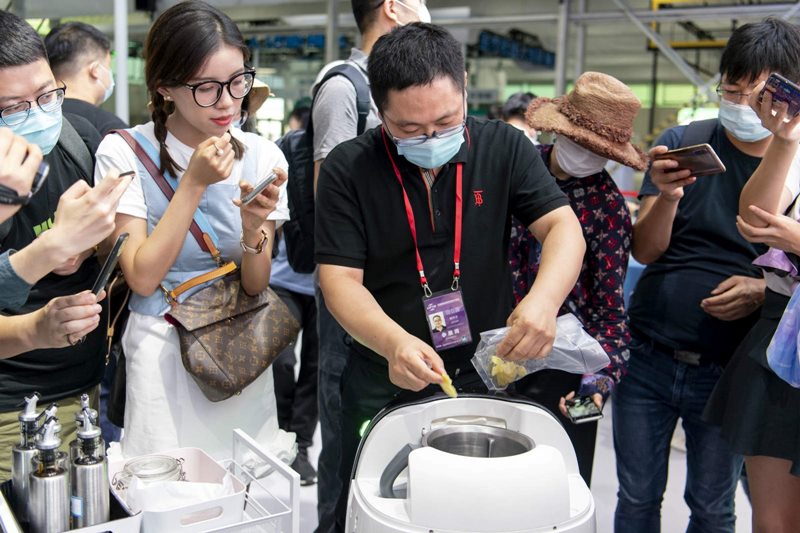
33,330
670,197
191,185
254,243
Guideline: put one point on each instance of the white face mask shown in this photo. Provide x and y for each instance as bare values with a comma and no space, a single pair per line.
422,12
576,160
741,121
108,91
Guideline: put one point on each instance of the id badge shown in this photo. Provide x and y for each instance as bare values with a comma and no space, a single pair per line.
447,319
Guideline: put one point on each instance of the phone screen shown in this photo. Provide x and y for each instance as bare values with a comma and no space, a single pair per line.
110,264
583,409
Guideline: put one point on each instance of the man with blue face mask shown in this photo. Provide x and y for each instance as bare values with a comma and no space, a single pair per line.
47,249
698,296
412,222
80,57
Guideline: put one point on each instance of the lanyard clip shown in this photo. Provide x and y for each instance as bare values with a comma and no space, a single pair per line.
454,286
427,290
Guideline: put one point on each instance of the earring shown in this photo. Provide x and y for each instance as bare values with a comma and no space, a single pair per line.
168,98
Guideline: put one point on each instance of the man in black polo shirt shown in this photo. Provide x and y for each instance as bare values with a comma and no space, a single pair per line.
422,205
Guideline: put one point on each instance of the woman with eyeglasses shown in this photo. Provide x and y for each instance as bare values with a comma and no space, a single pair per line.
197,75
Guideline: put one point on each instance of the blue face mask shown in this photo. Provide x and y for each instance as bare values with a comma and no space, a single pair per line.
41,128
742,122
434,151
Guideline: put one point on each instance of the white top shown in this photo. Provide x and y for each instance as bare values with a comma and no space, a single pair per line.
114,152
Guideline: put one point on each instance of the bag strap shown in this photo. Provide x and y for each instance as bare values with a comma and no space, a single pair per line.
204,240
112,322
71,141
363,102
698,132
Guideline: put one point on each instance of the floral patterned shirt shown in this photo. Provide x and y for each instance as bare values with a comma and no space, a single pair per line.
597,298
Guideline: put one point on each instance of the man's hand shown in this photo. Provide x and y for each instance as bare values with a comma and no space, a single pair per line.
780,231
65,320
735,298
670,182
85,215
533,329
414,365
72,264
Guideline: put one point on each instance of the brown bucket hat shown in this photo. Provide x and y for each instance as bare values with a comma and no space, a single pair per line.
597,114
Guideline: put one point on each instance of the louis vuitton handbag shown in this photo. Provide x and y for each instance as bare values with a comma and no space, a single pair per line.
227,337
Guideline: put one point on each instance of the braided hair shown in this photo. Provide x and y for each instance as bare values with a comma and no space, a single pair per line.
191,31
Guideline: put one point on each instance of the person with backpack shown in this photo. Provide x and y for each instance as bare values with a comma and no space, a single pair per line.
48,247
697,297
341,110
296,398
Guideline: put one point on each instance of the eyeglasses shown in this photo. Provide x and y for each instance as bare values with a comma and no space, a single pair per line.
732,96
208,93
441,134
18,113
9,196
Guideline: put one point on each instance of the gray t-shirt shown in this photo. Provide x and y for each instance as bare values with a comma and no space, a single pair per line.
335,114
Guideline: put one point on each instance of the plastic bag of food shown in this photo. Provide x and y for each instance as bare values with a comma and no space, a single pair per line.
574,351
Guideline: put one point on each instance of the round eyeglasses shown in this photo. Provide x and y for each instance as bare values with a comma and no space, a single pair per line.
208,93
16,114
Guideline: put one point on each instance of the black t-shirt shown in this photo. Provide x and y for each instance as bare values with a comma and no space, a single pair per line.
63,372
102,120
705,249
362,223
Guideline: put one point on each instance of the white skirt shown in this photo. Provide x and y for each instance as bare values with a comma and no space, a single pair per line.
165,409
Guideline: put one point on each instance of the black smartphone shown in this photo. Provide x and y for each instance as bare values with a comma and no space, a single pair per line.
263,184
582,409
110,264
783,90
128,173
700,159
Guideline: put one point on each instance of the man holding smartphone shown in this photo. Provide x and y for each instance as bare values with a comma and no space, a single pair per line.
55,231
697,297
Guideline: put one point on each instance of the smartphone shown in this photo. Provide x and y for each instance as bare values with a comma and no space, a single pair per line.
110,264
128,173
700,159
249,197
783,90
582,409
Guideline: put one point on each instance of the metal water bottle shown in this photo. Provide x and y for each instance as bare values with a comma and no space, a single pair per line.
49,484
79,416
21,457
89,504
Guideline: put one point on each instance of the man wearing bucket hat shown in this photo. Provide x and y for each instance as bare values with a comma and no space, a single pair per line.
593,123
697,298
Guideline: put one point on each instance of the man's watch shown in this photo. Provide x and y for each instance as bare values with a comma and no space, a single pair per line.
259,247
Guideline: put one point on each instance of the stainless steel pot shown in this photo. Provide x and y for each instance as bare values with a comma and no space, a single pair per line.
465,440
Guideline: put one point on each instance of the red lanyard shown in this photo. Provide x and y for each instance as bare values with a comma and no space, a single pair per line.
412,225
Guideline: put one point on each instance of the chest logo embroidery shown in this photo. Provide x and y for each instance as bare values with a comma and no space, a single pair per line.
478,196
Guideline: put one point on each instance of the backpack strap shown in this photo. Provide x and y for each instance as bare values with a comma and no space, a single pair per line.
698,132
363,101
71,141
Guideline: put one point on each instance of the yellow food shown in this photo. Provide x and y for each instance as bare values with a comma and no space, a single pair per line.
447,386
506,372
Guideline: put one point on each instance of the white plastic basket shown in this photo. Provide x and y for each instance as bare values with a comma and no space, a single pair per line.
271,503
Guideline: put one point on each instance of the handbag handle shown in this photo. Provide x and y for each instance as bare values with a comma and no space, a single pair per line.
112,322
203,239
